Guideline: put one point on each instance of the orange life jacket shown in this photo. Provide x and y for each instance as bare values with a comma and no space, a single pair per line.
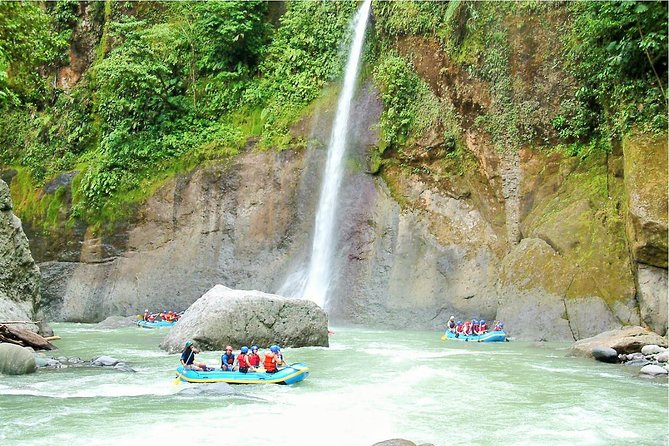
270,364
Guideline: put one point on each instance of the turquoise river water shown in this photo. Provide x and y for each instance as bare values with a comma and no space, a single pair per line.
368,386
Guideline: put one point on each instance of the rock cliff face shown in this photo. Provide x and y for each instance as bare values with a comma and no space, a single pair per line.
556,246
19,275
410,253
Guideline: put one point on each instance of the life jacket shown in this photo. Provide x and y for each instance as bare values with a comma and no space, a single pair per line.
254,359
242,360
458,329
451,324
269,363
152,318
476,327
497,328
228,359
483,328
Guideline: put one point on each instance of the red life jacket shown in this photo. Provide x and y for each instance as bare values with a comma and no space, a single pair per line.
483,328
458,329
270,365
476,327
254,359
242,360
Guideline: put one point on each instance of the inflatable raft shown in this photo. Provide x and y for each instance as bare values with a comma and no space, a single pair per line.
288,375
149,324
491,336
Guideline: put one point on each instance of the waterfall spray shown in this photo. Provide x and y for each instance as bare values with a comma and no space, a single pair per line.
316,283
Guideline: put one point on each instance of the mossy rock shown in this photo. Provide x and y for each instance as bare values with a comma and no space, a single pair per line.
646,197
581,220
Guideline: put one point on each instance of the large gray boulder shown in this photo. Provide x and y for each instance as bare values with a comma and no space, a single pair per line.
225,316
19,275
624,341
16,360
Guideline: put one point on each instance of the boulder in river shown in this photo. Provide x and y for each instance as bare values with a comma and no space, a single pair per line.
224,316
605,354
16,360
624,341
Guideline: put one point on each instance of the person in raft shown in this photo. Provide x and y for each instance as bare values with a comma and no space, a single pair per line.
228,360
188,358
254,358
451,324
273,359
243,364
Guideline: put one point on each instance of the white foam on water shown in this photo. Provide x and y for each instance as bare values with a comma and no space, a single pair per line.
566,370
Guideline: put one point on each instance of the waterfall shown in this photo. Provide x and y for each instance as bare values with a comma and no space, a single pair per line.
314,282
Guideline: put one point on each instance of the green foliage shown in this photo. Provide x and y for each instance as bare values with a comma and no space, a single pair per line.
219,46
27,42
409,105
411,18
303,56
618,51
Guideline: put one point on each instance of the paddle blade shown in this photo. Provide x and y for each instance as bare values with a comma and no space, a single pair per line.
176,381
443,337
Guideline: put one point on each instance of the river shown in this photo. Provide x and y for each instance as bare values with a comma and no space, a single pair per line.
369,386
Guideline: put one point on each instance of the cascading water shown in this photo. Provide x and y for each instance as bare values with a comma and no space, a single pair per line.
315,283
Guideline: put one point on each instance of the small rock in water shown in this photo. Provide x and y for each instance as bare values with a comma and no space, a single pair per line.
217,388
653,370
395,442
103,361
663,357
638,362
46,362
652,350
123,367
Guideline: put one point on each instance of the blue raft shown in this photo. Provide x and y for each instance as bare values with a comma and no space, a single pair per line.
491,336
288,375
149,324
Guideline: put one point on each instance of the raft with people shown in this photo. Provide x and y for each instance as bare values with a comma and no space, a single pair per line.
474,331
290,374
491,336
155,324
